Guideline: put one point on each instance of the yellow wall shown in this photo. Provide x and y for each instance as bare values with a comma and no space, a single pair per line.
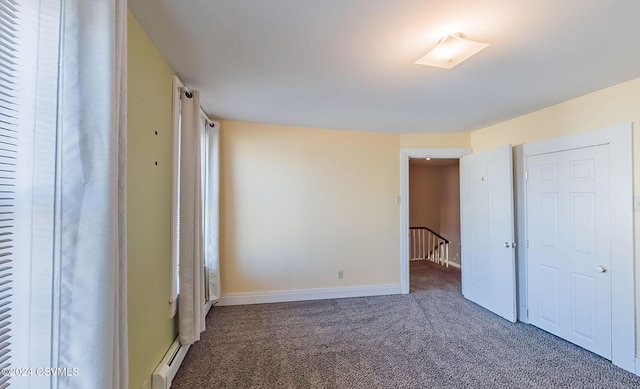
151,331
601,109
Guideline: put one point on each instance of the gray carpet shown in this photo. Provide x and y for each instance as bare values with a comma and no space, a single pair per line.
431,338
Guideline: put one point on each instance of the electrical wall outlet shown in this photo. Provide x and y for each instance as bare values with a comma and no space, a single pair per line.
340,274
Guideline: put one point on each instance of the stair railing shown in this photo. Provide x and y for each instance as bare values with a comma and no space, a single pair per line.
426,244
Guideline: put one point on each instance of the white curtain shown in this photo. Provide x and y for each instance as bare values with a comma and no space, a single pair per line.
212,214
90,263
191,301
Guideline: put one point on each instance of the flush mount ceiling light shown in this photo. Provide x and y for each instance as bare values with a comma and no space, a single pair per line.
452,50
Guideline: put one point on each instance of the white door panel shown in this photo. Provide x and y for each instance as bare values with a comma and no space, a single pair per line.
569,282
488,258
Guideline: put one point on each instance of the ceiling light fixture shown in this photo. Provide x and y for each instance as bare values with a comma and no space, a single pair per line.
451,50
428,159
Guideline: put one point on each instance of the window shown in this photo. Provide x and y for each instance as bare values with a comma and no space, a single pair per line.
29,48
211,195
10,23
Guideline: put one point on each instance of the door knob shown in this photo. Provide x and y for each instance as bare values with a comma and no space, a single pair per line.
601,269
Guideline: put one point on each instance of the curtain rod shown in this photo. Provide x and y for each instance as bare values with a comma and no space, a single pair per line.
208,121
187,91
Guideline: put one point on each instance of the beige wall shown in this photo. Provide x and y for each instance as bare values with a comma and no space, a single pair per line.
299,204
424,196
601,109
450,209
151,331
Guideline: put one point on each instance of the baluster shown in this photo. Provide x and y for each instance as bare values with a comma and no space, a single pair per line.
413,244
446,254
433,248
425,248
410,244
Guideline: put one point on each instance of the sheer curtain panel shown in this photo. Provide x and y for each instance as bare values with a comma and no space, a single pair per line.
91,260
211,178
63,108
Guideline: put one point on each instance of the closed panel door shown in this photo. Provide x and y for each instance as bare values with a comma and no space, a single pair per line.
488,256
568,228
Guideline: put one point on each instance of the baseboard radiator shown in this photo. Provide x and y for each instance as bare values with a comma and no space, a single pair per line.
168,367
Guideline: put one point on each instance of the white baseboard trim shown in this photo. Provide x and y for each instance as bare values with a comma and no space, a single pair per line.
308,294
637,366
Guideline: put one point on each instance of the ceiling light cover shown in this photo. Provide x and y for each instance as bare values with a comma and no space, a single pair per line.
451,51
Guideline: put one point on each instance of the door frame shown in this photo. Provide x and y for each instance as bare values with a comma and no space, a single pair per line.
619,139
405,154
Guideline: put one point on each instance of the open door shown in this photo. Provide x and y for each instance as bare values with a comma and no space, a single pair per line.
486,213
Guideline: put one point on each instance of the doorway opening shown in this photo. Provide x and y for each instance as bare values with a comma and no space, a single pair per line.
405,199
434,224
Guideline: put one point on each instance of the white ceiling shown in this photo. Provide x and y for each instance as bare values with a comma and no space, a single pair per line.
348,64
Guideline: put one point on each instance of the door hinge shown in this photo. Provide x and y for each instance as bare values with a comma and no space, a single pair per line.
527,243
527,313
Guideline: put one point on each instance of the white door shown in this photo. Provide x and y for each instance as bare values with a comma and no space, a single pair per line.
569,282
486,213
